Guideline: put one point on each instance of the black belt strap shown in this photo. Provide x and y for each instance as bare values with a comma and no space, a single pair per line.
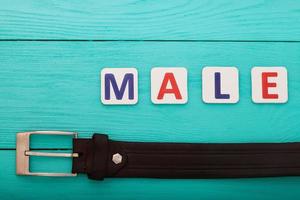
100,157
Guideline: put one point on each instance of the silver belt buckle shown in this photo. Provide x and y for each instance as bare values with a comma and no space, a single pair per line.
24,152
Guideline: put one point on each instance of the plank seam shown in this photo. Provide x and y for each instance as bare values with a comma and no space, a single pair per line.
84,40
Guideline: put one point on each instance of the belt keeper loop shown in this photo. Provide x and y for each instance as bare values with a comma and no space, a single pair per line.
97,157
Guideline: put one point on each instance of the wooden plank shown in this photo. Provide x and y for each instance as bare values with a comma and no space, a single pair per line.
56,86
151,20
81,188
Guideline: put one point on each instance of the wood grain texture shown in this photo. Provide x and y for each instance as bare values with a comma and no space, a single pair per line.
151,20
35,188
56,86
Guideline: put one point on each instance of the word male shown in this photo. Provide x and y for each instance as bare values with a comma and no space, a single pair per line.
169,85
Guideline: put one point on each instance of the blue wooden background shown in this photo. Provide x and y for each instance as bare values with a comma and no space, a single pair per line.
51,54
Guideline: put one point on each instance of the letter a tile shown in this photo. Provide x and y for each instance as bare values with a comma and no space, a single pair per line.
169,85
119,86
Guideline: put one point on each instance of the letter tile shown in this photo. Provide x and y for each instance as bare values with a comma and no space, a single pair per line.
220,85
119,86
269,85
169,85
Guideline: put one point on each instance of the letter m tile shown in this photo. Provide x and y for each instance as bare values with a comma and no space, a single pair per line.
119,86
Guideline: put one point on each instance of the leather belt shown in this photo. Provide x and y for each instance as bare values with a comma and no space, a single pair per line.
100,157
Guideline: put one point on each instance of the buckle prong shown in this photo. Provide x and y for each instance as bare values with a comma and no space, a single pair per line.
34,153
23,153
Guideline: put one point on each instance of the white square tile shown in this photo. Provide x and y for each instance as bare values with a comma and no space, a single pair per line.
269,84
119,86
169,85
220,85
